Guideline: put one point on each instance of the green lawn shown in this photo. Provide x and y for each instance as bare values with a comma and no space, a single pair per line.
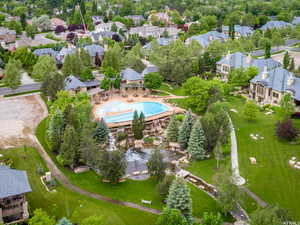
272,178
67,203
172,89
130,190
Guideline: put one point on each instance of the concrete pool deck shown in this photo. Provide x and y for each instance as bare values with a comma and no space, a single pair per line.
158,99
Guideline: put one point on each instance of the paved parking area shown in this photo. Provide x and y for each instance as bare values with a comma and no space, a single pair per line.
19,117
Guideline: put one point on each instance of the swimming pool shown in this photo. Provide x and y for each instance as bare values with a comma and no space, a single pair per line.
124,111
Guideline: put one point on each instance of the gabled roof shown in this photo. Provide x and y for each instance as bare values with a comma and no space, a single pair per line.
278,24
72,83
150,69
13,182
277,79
296,21
160,41
205,39
130,75
45,51
243,30
94,49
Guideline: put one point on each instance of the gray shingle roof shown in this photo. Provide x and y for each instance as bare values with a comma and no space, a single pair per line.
150,69
94,49
296,21
205,39
160,41
13,182
275,24
243,30
130,75
277,79
72,83
45,51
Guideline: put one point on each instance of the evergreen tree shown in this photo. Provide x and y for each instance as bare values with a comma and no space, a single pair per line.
292,65
64,221
85,57
23,20
172,130
268,49
156,165
69,147
102,132
82,7
287,107
137,125
112,165
44,66
97,60
185,130
179,198
196,145
113,58
12,71
55,130
286,60
171,217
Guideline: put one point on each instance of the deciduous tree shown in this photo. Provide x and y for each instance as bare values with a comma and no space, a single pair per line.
156,165
12,71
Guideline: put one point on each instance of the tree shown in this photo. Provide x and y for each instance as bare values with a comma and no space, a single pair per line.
250,111
43,22
55,130
137,125
64,221
172,130
112,165
23,20
52,83
41,218
97,60
73,65
86,74
69,147
267,50
171,217
156,165
31,31
269,215
185,130
12,71
292,65
153,80
287,107
212,219
218,153
277,40
113,58
45,65
26,57
102,132
92,220
131,60
105,84
196,146
164,186
286,130
84,57
179,198
286,60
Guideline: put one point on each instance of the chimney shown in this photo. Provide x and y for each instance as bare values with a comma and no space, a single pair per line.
265,72
290,79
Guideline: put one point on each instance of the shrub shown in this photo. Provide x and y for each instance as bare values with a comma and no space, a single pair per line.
121,136
286,130
40,169
163,186
148,140
61,161
180,117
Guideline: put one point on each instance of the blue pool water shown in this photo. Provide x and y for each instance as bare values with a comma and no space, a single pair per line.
148,108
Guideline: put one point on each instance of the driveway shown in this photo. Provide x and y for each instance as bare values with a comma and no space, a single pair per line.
23,88
19,117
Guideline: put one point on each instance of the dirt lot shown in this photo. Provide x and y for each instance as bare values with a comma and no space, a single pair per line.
19,116
295,55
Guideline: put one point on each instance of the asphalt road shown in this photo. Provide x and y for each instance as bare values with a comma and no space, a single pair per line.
23,88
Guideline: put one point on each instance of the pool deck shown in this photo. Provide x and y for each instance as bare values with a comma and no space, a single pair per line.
160,99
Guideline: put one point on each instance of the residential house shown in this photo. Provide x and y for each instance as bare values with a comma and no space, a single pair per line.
60,57
240,31
45,51
57,22
74,85
269,86
38,40
13,187
275,25
205,39
239,60
296,21
136,19
159,41
7,35
93,50
161,16
104,27
149,69
98,36
148,30
131,78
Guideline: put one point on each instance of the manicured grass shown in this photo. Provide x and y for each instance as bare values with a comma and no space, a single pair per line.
130,190
271,178
172,89
67,203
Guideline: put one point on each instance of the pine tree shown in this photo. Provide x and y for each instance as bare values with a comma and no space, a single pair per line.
185,130
97,60
85,57
137,125
156,165
197,142
64,221
292,65
172,130
179,198
102,131
55,130
286,60
69,147
268,50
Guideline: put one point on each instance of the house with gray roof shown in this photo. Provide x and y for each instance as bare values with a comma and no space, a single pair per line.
107,26
137,19
240,31
45,51
205,39
14,185
277,24
296,21
93,50
131,78
98,36
239,60
269,86
148,30
60,57
159,41
150,69
73,84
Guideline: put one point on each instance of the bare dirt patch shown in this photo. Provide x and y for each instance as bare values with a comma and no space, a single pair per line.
19,117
